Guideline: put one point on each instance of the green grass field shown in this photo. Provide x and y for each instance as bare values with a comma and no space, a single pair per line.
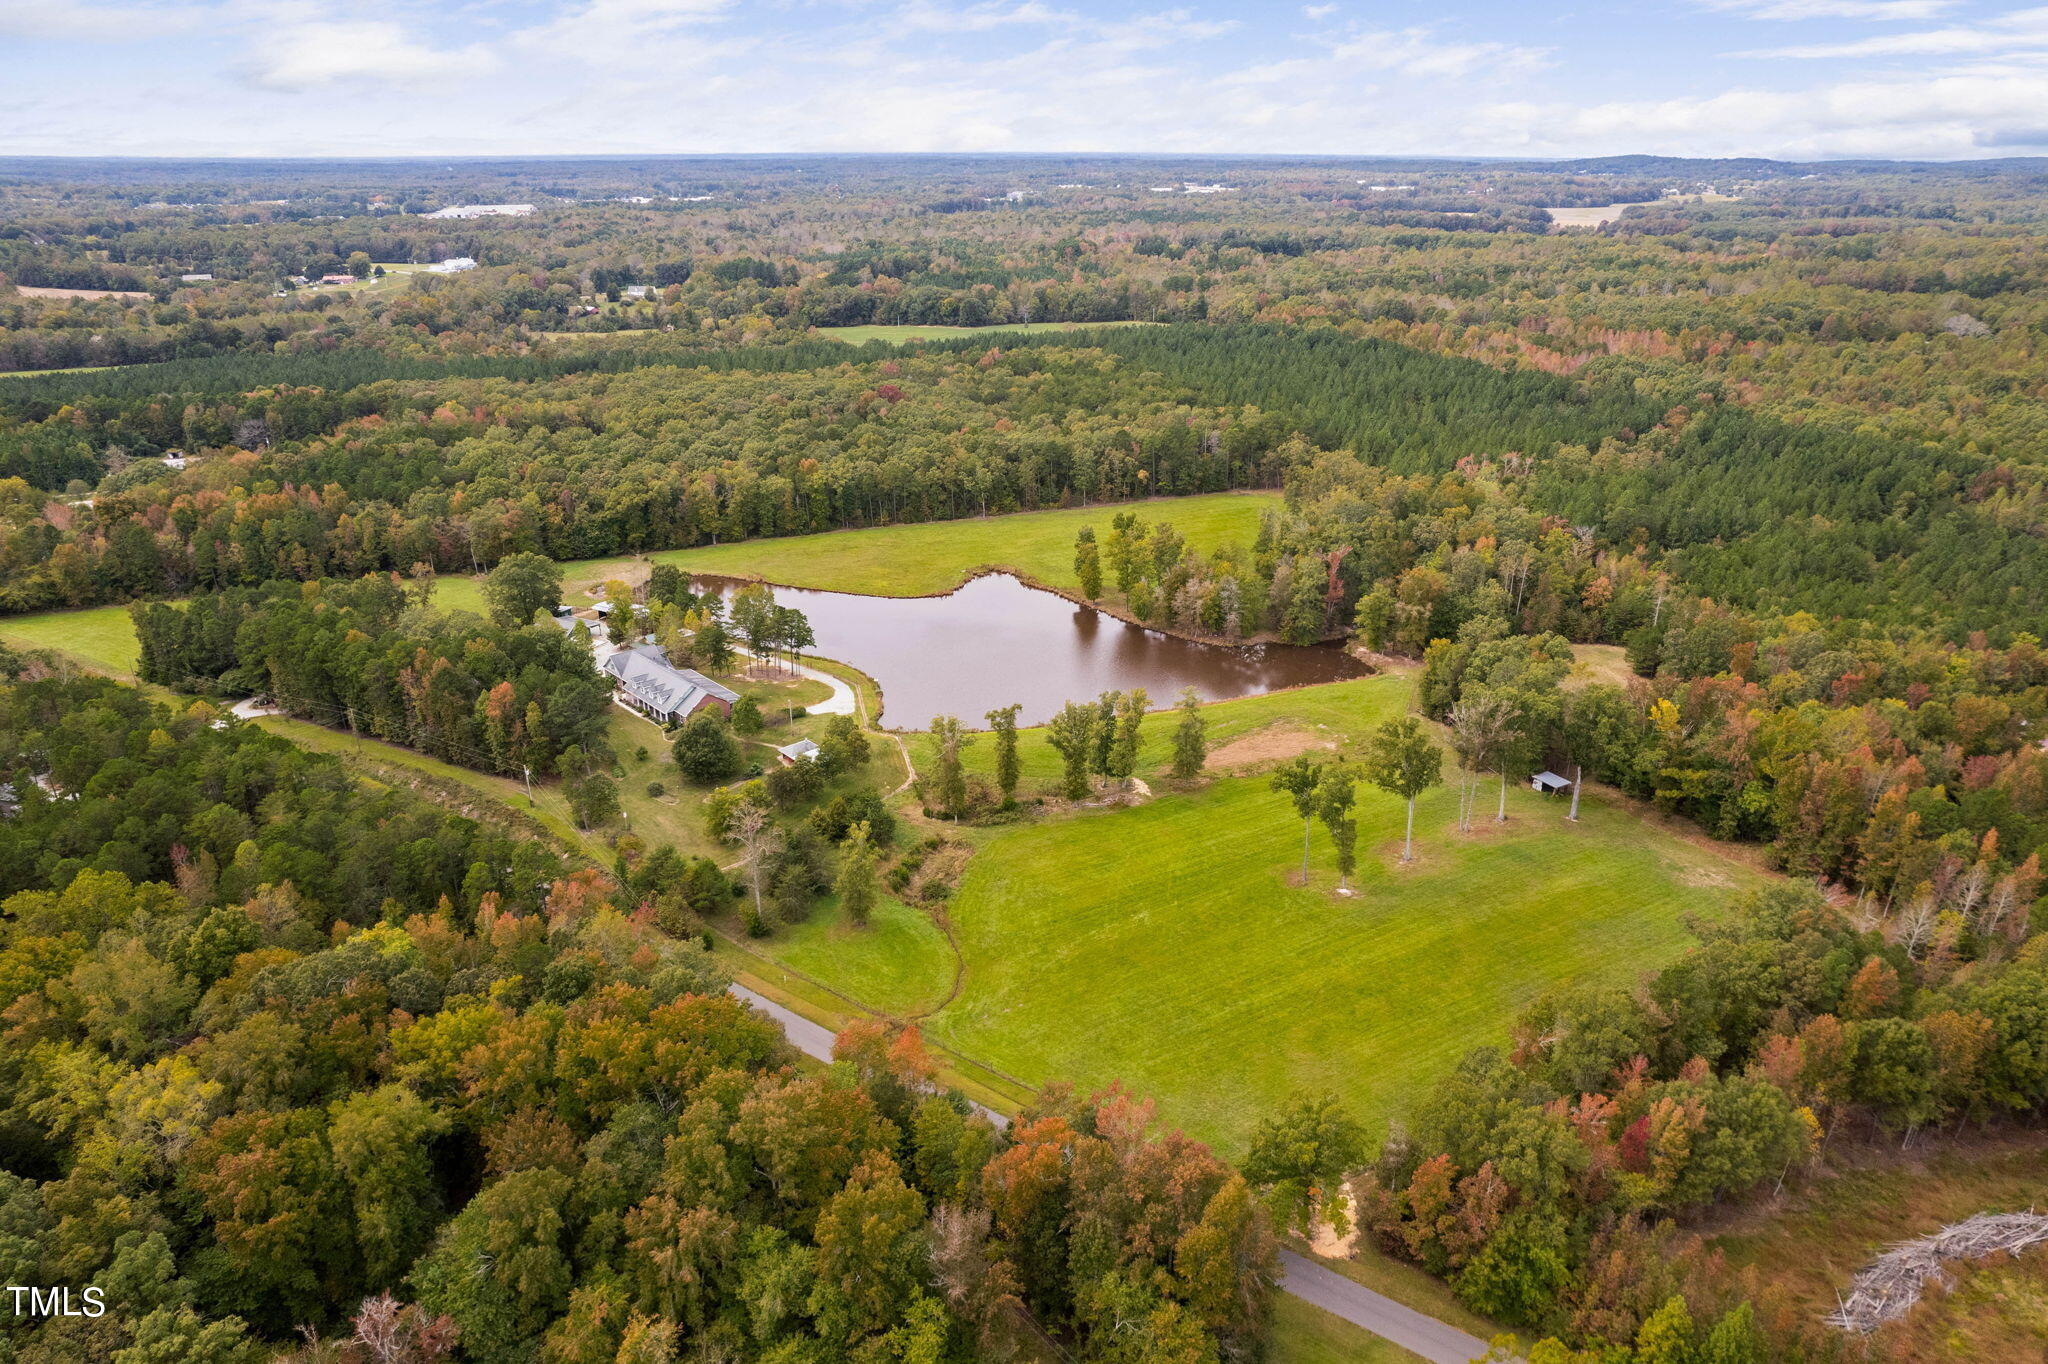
935,556
102,636
897,335
1167,945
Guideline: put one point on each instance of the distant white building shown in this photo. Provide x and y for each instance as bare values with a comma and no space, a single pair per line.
454,265
174,459
195,279
637,290
803,750
482,211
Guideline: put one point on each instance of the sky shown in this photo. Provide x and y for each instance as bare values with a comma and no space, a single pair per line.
1793,79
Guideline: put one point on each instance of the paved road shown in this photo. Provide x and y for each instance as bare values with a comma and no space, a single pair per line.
1376,1312
840,702
814,1039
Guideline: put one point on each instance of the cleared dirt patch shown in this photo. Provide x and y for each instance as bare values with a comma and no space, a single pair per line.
1276,744
46,291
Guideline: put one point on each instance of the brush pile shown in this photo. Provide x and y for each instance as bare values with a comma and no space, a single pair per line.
1894,1281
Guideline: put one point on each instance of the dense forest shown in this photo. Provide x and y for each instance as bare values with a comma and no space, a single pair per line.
287,1053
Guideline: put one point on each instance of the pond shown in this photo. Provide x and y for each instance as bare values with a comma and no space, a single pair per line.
995,641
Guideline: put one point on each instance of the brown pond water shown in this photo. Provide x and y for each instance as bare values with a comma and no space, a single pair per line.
995,641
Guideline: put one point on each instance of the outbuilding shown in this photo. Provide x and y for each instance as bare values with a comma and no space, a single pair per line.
1548,783
803,750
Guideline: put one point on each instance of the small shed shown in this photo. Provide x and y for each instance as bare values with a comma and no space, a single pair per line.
803,750
1548,783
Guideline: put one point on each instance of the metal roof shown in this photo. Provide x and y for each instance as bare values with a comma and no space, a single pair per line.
646,673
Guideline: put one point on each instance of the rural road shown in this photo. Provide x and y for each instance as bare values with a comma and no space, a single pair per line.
1411,1330
814,1039
1375,1312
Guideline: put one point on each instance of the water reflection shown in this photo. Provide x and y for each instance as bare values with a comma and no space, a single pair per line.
996,641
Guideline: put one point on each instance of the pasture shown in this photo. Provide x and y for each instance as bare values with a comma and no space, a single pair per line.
1168,945
936,556
102,636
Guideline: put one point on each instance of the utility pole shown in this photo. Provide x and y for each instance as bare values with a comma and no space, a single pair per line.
1577,772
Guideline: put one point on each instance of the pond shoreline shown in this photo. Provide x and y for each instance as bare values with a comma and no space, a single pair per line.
1007,635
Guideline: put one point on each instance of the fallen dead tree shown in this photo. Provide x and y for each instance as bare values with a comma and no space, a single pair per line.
1894,1281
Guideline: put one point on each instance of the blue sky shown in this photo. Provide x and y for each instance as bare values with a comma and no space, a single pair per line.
1786,78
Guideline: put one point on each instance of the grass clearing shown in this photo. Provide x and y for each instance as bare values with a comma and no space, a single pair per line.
937,556
900,561
898,335
899,964
1167,946
103,636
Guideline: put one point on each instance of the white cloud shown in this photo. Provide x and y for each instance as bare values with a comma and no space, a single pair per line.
61,20
2018,31
308,55
925,16
1318,12
639,32
1942,116
1787,10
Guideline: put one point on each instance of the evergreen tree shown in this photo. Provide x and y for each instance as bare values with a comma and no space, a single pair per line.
521,585
949,777
705,749
1123,751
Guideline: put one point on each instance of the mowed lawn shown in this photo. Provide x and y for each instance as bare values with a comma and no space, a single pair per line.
1167,946
897,335
102,636
935,556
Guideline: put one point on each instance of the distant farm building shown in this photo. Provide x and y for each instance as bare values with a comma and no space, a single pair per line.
644,679
482,211
1548,782
337,279
195,279
454,265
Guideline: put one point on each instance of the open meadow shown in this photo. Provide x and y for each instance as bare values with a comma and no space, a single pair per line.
1167,945
935,556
